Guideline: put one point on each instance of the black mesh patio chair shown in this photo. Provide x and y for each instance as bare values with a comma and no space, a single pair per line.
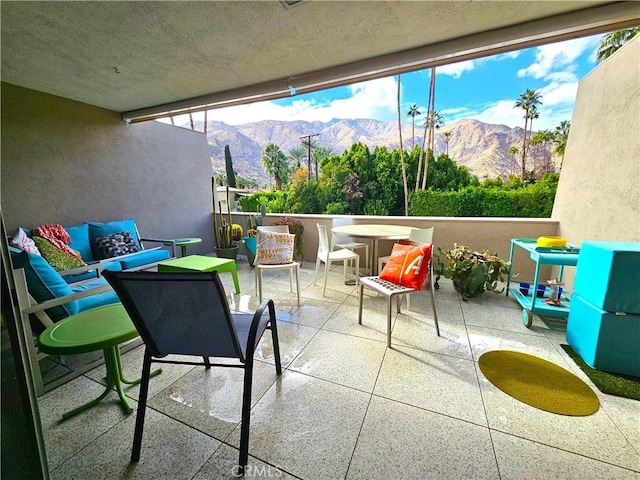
188,314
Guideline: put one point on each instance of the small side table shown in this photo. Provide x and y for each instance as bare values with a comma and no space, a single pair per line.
183,243
98,328
201,263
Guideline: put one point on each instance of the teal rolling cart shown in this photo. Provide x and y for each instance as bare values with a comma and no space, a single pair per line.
528,299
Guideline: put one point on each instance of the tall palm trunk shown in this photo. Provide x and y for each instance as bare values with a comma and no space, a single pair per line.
404,170
430,108
524,145
423,146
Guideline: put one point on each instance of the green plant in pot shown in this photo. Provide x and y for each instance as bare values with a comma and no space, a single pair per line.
472,272
223,233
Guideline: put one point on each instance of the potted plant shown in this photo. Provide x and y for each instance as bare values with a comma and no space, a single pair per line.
296,227
251,240
223,233
472,272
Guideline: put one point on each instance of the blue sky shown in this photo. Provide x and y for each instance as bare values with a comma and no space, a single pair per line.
484,89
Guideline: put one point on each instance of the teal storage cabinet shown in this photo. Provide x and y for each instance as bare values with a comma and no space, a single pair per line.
608,275
605,340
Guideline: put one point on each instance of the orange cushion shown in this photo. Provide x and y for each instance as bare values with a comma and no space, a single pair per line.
408,265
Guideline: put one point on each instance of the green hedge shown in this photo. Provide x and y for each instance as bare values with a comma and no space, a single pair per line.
530,202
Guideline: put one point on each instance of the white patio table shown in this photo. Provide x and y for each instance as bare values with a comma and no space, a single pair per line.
375,232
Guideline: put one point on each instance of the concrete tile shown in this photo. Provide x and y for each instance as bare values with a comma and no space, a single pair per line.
306,426
170,450
520,459
402,441
350,361
435,382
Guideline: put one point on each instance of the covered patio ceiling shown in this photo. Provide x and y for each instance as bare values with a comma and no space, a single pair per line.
145,59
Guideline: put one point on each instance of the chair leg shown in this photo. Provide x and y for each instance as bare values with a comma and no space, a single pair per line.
142,405
360,288
298,283
207,363
276,345
246,415
326,275
315,278
433,306
389,299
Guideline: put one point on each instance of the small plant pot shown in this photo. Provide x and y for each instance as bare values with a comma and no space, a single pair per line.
541,290
524,288
251,247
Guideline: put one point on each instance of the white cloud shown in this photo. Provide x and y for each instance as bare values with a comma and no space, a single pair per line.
559,93
557,56
456,69
372,99
501,113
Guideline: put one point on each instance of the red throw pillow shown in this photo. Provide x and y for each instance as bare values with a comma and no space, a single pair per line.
408,265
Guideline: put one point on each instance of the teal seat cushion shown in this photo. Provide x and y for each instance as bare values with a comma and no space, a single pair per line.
79,235
144,257
100,229
44,283
97,300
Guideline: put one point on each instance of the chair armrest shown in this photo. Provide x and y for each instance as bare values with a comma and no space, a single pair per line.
55,302
86,268
165,241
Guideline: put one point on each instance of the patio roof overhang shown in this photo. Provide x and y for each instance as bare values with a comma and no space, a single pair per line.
149,59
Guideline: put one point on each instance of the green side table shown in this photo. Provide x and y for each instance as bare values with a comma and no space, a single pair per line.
183,243
201,263
102,328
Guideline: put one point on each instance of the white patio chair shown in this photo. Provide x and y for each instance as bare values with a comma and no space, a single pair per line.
328,257
293,267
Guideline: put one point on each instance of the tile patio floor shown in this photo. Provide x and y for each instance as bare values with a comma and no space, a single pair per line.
346,406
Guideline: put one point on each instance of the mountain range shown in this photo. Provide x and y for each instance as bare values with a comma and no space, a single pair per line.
481,147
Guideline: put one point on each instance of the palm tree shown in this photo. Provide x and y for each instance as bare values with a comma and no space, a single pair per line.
447,139
560,139
528,100
404,169
513,151
275,164
429,122
613,41
436,123
413,111
547,136
297,155
535,141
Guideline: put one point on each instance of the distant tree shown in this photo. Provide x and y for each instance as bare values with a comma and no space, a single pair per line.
318,155
413,111
275,164
547,137
297,155
528,100
447,139
513,151
434,121
560,138
533,115
536,140
231,175
404,169
352,190
611,42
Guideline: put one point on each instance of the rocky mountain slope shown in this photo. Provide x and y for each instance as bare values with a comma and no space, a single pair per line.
481,147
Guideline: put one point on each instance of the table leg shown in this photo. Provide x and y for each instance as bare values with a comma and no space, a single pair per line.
120,371
114,378
183,248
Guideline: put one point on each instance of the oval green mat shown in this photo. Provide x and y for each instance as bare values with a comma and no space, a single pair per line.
538,383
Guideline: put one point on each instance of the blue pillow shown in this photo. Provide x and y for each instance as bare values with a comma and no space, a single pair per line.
44,283
79,235
99,229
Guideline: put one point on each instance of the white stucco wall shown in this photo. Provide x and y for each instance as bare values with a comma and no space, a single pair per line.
598,195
